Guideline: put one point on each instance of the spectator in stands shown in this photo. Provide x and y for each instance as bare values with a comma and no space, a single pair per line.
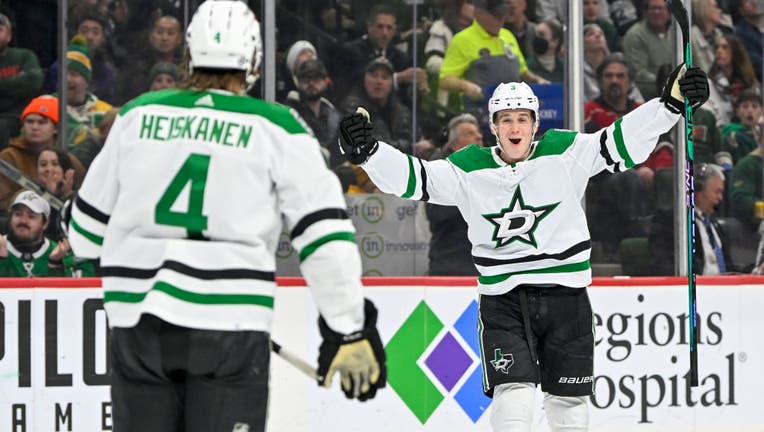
35,27
521,27
299,52
93,27
743,134
614,84
621,13
731,73
712,255
456,16
616,201
88,148
624,14
360,181
450,251
705,31
84,109
55,173
483,55
748,25
648,45
286,80
164,75
746,189
555,10
165,44
20,80
593,14
546,60
381,28
26,252
38,131
310,102
166,37
392,120
595,51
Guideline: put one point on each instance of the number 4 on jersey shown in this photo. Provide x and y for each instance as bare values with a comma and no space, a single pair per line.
194,171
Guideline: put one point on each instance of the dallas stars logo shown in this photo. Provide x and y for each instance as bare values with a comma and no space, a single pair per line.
517,221
502,362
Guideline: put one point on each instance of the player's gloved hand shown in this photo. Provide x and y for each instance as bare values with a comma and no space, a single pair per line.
691,83
356,141
358,357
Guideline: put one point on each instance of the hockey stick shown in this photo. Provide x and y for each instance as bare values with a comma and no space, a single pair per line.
679,12
294,360
18,177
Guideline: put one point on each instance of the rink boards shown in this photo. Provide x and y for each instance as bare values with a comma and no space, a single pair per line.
53,366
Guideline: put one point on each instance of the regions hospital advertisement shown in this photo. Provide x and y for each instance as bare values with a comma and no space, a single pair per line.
54,369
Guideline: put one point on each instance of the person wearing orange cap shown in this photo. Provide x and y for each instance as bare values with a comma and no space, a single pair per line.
38,131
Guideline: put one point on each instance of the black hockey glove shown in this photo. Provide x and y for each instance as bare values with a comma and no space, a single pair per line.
356,141
693,85
358,357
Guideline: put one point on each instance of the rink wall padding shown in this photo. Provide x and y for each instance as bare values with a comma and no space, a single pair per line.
54,368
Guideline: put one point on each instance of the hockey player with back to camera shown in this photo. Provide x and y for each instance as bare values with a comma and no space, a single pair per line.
187,247
530,241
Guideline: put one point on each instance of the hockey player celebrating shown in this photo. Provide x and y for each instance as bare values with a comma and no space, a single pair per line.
530,242
183,206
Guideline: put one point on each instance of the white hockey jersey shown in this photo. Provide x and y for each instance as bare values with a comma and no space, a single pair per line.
183,206
525,221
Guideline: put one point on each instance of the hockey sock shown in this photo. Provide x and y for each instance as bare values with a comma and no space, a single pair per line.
512,407
567,413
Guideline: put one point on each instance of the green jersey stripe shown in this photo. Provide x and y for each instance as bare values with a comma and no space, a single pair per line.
190,297
95,238
310,248
620,145
565,268
411,186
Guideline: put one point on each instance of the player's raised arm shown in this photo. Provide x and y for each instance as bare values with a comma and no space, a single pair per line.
395,172
629,140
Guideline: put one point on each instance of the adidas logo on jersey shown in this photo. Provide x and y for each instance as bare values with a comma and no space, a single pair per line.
205,101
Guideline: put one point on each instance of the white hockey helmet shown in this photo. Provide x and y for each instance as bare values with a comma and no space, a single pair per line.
224,34
513,95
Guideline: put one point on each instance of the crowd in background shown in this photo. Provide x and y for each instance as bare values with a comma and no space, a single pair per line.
426,87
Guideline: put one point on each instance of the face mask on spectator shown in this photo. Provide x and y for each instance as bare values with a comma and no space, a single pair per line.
540,45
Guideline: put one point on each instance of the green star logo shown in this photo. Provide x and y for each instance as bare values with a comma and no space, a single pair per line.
517,222
502,362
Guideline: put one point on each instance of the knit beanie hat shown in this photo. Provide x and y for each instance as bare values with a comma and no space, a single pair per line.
77,55
294,52
164,68
46,106
4,21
